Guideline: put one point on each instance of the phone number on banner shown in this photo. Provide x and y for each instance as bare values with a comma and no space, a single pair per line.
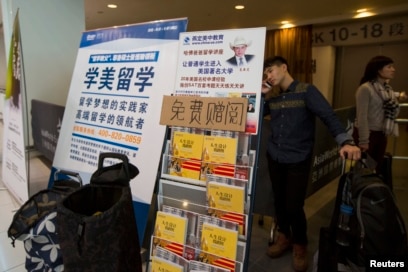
113,135
120,136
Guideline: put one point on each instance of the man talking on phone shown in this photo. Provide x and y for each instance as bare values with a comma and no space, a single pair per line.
293,107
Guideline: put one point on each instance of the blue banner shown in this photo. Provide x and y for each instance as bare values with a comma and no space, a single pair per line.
114,103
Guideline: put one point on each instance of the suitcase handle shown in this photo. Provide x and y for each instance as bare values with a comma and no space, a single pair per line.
127,171
366,161
112,155
104,155
68,173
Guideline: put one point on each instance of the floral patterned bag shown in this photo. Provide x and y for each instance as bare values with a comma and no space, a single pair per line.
35,224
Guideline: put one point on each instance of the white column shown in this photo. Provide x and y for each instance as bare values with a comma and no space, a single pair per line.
50,32
323,78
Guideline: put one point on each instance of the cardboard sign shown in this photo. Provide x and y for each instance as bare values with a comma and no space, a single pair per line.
224,113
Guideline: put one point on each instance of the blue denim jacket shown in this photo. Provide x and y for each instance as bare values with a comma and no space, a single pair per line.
293,121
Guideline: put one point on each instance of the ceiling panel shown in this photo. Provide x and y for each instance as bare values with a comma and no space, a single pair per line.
220,14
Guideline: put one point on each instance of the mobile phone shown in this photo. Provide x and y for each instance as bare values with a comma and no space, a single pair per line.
267,84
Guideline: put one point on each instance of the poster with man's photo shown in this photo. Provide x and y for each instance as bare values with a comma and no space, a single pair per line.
223,63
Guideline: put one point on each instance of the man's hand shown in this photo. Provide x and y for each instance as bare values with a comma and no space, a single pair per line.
363,147
266,87
350,152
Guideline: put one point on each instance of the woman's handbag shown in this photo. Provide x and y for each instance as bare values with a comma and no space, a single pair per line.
97,223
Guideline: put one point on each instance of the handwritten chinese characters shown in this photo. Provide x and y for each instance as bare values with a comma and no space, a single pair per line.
205,112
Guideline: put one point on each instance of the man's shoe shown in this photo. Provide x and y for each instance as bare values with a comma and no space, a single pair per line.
279,247
300,257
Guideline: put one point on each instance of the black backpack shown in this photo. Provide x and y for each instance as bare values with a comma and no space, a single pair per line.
377,230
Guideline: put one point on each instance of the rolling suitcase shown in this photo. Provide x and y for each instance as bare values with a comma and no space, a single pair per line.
97,225
329,256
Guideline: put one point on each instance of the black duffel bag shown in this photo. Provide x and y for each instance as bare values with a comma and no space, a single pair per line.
97,225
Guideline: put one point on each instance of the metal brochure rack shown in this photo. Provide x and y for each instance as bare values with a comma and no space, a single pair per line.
189,199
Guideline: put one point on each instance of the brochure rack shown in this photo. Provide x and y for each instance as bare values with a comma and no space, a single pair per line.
204,212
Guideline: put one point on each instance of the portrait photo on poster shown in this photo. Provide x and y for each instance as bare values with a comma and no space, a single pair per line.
239,46
251,101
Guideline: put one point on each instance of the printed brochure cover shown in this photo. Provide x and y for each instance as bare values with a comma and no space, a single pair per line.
237,218
164,260
173,247
219,149
196,266
187,145
219,241
159,264
192,217
186,168
226,197
170,227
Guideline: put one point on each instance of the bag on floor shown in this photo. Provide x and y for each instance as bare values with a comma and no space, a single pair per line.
97,224
376,227
35,224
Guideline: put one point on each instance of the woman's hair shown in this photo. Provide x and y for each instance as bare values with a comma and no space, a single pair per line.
373,66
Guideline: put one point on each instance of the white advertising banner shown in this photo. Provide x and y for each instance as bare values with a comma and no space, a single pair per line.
114,103
14,160
223,63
